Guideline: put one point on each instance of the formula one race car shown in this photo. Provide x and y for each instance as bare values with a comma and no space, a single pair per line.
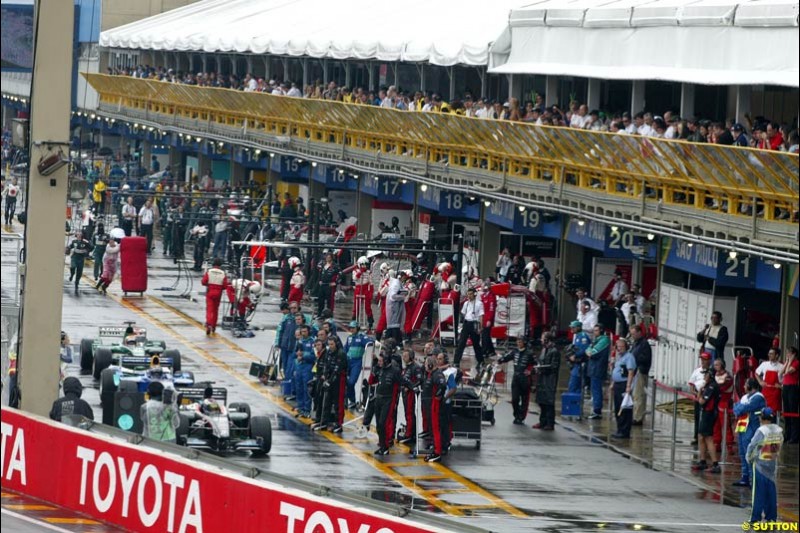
132,377
208,423
113,342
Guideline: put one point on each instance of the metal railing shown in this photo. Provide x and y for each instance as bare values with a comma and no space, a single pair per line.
737,181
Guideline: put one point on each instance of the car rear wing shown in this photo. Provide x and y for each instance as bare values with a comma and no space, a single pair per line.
119,331
144,361
190,395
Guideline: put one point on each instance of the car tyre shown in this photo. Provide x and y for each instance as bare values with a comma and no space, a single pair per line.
261,427
175,355
87,359
108,388
182,431
102,360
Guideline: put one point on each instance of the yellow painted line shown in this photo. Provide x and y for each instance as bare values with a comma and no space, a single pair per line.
475,506
29,507
477,489
386,468
403,465
448,491
8,495
75,521
789,516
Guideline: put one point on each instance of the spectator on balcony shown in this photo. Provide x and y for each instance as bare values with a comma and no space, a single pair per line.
740,135
250,83
580,117
722,135
593,121
513,110
772,138
644,124
628,124
294,91
672,120
483,109
793,143
389,97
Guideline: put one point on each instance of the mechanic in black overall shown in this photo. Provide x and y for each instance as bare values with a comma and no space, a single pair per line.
71,403
328,277
335,386
388,384
524,361
79,249
99,242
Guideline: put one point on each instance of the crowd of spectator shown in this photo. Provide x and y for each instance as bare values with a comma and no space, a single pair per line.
757,132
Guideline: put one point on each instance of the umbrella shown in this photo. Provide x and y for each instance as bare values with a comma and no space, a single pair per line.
117,233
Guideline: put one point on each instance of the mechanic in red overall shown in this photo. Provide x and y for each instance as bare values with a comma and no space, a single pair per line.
363,290
489,300
297,282
216,282
725,382
383,289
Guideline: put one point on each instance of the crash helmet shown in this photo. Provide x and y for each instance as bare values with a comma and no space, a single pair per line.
420,257
255,288
408,273
130,340
294,262
211,406
363,261
445,268
384,268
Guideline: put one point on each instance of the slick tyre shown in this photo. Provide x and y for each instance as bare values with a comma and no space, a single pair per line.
260,427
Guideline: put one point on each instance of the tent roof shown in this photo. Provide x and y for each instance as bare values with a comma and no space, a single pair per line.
443,32
696,41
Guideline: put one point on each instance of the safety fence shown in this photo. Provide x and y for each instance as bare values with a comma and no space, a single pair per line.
140,488
737,181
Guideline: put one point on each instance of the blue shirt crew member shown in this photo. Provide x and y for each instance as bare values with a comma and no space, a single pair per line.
621,381
746,411
580,342
597,353
354,347
303,372
763,452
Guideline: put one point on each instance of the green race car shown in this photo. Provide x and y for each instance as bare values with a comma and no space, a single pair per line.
114,344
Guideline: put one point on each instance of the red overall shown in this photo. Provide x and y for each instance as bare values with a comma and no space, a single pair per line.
296,285
362,290
215,282
725,404
381,327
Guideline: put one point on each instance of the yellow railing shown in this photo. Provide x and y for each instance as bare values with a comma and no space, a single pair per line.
705,176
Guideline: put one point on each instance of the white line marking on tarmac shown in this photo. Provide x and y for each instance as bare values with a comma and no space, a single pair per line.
39,523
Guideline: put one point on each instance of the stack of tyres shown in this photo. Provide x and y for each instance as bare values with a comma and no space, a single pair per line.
133,264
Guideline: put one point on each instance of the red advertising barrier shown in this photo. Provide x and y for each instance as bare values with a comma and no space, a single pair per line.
139,489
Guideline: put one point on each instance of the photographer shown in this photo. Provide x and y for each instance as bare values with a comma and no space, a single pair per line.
621,379
159,415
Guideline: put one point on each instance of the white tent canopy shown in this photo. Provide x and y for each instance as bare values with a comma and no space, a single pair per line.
439,32
712,42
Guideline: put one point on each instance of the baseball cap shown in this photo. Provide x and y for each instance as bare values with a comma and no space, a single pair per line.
768,414
353,324
737,127
705,355
576,324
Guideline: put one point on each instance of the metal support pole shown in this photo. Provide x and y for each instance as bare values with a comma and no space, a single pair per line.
40,321
654,389
724,457
674,428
